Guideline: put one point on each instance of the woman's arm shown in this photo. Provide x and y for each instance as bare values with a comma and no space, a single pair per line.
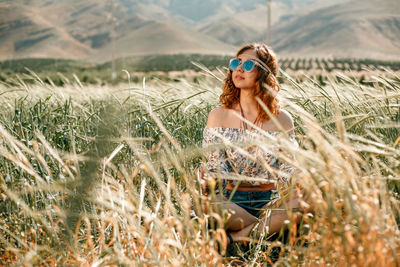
285,170
207,172
216,117
286,121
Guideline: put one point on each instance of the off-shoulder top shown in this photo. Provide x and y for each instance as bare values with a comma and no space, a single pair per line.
247,155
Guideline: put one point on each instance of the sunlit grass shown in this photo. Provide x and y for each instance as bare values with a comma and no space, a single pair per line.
105,175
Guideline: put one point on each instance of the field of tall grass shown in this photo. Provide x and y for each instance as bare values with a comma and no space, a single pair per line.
173,67
104,175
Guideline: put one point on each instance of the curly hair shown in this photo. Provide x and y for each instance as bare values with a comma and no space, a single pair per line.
267,86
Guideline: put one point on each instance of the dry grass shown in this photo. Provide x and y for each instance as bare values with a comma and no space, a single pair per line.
110,179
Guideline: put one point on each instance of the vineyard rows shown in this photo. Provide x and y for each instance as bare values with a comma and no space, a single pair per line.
337,64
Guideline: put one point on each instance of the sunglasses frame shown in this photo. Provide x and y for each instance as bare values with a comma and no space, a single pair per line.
243,64
256,61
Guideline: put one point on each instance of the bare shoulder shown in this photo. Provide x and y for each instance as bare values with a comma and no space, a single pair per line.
286,120
216,117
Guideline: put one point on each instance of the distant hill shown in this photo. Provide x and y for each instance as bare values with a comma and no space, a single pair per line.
75,29
248,24
26,32
243,26
93,29
354,29
165,37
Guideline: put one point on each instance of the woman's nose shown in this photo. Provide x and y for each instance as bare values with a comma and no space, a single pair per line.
240,67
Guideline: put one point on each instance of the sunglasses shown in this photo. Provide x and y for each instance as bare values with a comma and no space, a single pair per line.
248,65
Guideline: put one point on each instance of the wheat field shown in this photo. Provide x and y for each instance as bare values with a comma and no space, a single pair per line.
104,175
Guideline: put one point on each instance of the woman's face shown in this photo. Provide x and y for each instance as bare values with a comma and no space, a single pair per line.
243,79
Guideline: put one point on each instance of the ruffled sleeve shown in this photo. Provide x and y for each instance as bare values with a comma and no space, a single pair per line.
283,169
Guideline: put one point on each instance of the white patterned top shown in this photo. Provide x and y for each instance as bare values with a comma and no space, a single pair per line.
247,155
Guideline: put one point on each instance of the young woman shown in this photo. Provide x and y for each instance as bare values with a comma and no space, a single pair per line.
240,119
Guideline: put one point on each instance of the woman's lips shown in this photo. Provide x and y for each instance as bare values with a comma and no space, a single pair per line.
239,77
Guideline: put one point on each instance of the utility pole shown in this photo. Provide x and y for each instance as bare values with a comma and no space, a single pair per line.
268,22
113,73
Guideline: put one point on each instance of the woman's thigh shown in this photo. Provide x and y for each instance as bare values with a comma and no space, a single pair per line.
238,217
282,206
279,210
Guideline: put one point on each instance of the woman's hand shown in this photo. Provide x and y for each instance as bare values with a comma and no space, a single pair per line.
203,181
206,181
200,172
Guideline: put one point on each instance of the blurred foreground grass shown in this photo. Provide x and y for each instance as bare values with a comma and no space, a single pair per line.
103,175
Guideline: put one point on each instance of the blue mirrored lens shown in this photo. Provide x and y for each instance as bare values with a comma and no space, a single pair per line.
248,65
233,64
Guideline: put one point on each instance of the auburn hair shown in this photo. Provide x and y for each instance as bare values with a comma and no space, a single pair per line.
267,85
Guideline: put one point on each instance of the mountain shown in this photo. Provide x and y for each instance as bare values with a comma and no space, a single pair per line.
25,32
97,29
353,29
189,13
243,26
249,24
162,37
77,29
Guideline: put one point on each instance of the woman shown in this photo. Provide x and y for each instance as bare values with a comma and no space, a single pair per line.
251,80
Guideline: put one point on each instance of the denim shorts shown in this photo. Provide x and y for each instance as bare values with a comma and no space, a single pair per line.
252,201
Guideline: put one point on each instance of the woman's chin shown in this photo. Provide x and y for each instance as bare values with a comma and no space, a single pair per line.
246,88
241,84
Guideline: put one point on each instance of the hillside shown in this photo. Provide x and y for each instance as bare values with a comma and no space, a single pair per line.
243,26
354,29
165,37
26,32
75,29
248,25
